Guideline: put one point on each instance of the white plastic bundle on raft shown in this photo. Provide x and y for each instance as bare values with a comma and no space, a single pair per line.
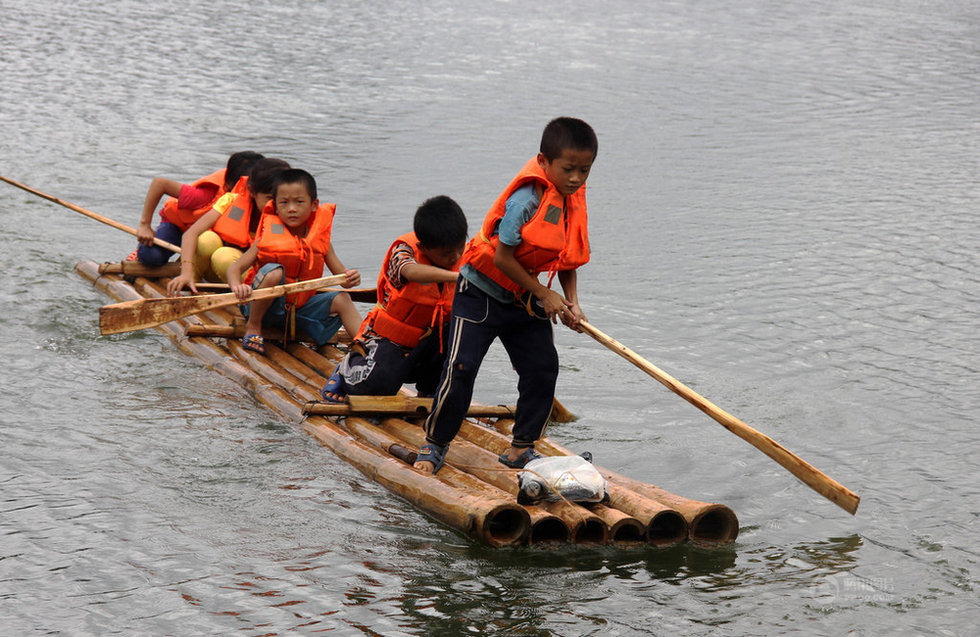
555,477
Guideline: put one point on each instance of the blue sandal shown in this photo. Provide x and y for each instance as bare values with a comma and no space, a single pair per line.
333,390
431,452
527,456
254,343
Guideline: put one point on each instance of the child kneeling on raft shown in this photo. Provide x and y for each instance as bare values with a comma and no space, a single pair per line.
402,339
294,245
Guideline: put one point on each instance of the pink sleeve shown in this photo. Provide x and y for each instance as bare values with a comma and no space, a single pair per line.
193,197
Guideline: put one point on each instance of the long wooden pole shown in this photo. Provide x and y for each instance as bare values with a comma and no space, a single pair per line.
810,475
89,213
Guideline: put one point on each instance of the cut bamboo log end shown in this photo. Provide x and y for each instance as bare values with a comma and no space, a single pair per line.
668,519
545,528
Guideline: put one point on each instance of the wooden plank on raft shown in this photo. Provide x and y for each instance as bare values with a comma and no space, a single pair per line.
398,406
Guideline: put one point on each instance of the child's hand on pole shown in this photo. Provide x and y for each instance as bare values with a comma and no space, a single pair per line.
353,279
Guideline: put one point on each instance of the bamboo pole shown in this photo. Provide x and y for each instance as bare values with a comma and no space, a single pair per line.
89,214
807,473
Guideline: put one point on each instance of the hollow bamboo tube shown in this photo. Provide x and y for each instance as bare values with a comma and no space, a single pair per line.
545,527
585,526
663,525
708,523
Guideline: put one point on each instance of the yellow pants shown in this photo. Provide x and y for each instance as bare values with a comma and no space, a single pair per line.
213,257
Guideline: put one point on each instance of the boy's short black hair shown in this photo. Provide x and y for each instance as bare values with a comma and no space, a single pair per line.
263,174
567,132
295,176
440,223
239,165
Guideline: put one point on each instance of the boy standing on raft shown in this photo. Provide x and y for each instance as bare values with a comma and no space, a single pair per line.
537,224
294,245
402,340
187,203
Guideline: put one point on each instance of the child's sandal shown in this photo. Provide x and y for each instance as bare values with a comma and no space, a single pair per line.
430,452
254,343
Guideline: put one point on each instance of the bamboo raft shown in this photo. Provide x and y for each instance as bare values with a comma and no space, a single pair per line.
380,436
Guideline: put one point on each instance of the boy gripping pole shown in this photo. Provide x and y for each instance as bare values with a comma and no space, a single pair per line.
538,224
402,338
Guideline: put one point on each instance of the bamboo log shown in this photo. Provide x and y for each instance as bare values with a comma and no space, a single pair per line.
496,522
545,527
237,330
663,526
708,523
585,527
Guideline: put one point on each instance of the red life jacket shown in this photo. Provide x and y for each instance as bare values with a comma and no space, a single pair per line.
234,224
554,239
302,258
183,218
412,310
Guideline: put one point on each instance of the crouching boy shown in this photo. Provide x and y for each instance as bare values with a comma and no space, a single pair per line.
402,340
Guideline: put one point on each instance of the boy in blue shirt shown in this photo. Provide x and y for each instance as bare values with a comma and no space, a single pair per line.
538,224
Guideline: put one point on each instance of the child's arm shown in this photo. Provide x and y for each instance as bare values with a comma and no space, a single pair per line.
188,250
336,267
235,270
159,187
555,305
421,273
569,283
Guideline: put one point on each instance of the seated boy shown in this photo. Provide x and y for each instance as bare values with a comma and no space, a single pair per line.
537,224
294,245
219,237
401,340
187,203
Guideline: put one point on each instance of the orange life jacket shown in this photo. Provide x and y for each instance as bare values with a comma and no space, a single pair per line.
412,310
302,258
184,218
233,226
554,239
